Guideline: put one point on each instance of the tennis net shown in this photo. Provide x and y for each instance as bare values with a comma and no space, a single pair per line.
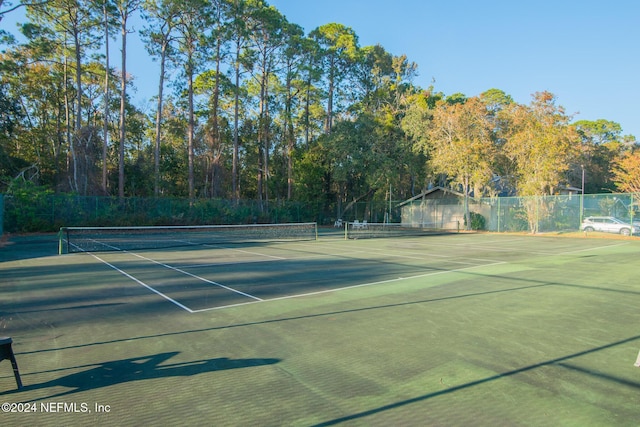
100,239
364,230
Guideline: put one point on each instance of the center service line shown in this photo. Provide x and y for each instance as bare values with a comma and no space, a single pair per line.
184,307
211,282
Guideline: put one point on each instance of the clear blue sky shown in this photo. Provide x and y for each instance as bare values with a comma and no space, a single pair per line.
586,52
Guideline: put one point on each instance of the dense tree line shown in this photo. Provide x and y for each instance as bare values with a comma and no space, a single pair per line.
250,107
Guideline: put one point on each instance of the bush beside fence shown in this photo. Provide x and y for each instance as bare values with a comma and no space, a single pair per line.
42,212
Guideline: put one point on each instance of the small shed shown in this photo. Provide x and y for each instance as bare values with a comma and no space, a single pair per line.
436,208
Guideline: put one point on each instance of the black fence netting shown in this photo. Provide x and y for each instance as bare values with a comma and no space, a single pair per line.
48,212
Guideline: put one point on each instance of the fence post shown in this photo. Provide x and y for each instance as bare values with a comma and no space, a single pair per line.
537,214
498,214
631,213
581,208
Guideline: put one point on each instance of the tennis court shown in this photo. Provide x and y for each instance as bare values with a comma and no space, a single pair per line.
461,329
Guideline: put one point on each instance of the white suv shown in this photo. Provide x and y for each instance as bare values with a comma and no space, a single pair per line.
607,224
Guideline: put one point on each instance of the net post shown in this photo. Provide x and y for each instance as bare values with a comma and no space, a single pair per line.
315,225
60,240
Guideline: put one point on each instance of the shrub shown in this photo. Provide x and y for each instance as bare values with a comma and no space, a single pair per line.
478,222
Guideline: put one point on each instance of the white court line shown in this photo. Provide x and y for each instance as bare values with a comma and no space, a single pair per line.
244,251
213,264
596,248
140,282
345,252
211,282
342,253
239,262
175,269
490,246
184,307
223,264
351,287
308,255
483,246
496,242
386,251
537,252
256,299
420,256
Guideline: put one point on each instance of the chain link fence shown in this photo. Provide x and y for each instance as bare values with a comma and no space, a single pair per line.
541,214
37,212
42,212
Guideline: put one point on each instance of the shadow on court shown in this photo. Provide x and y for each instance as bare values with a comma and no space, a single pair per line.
553,362
20,247
138,369
542,338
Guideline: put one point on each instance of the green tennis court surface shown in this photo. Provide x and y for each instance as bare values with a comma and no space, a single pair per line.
438,330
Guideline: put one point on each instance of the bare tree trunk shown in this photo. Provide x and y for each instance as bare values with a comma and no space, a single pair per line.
307,112
216,128
105,138
71,157
191,129
78,58
156,151
123,98
234,167
288,131
267,144
78,118
289,135
329,119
